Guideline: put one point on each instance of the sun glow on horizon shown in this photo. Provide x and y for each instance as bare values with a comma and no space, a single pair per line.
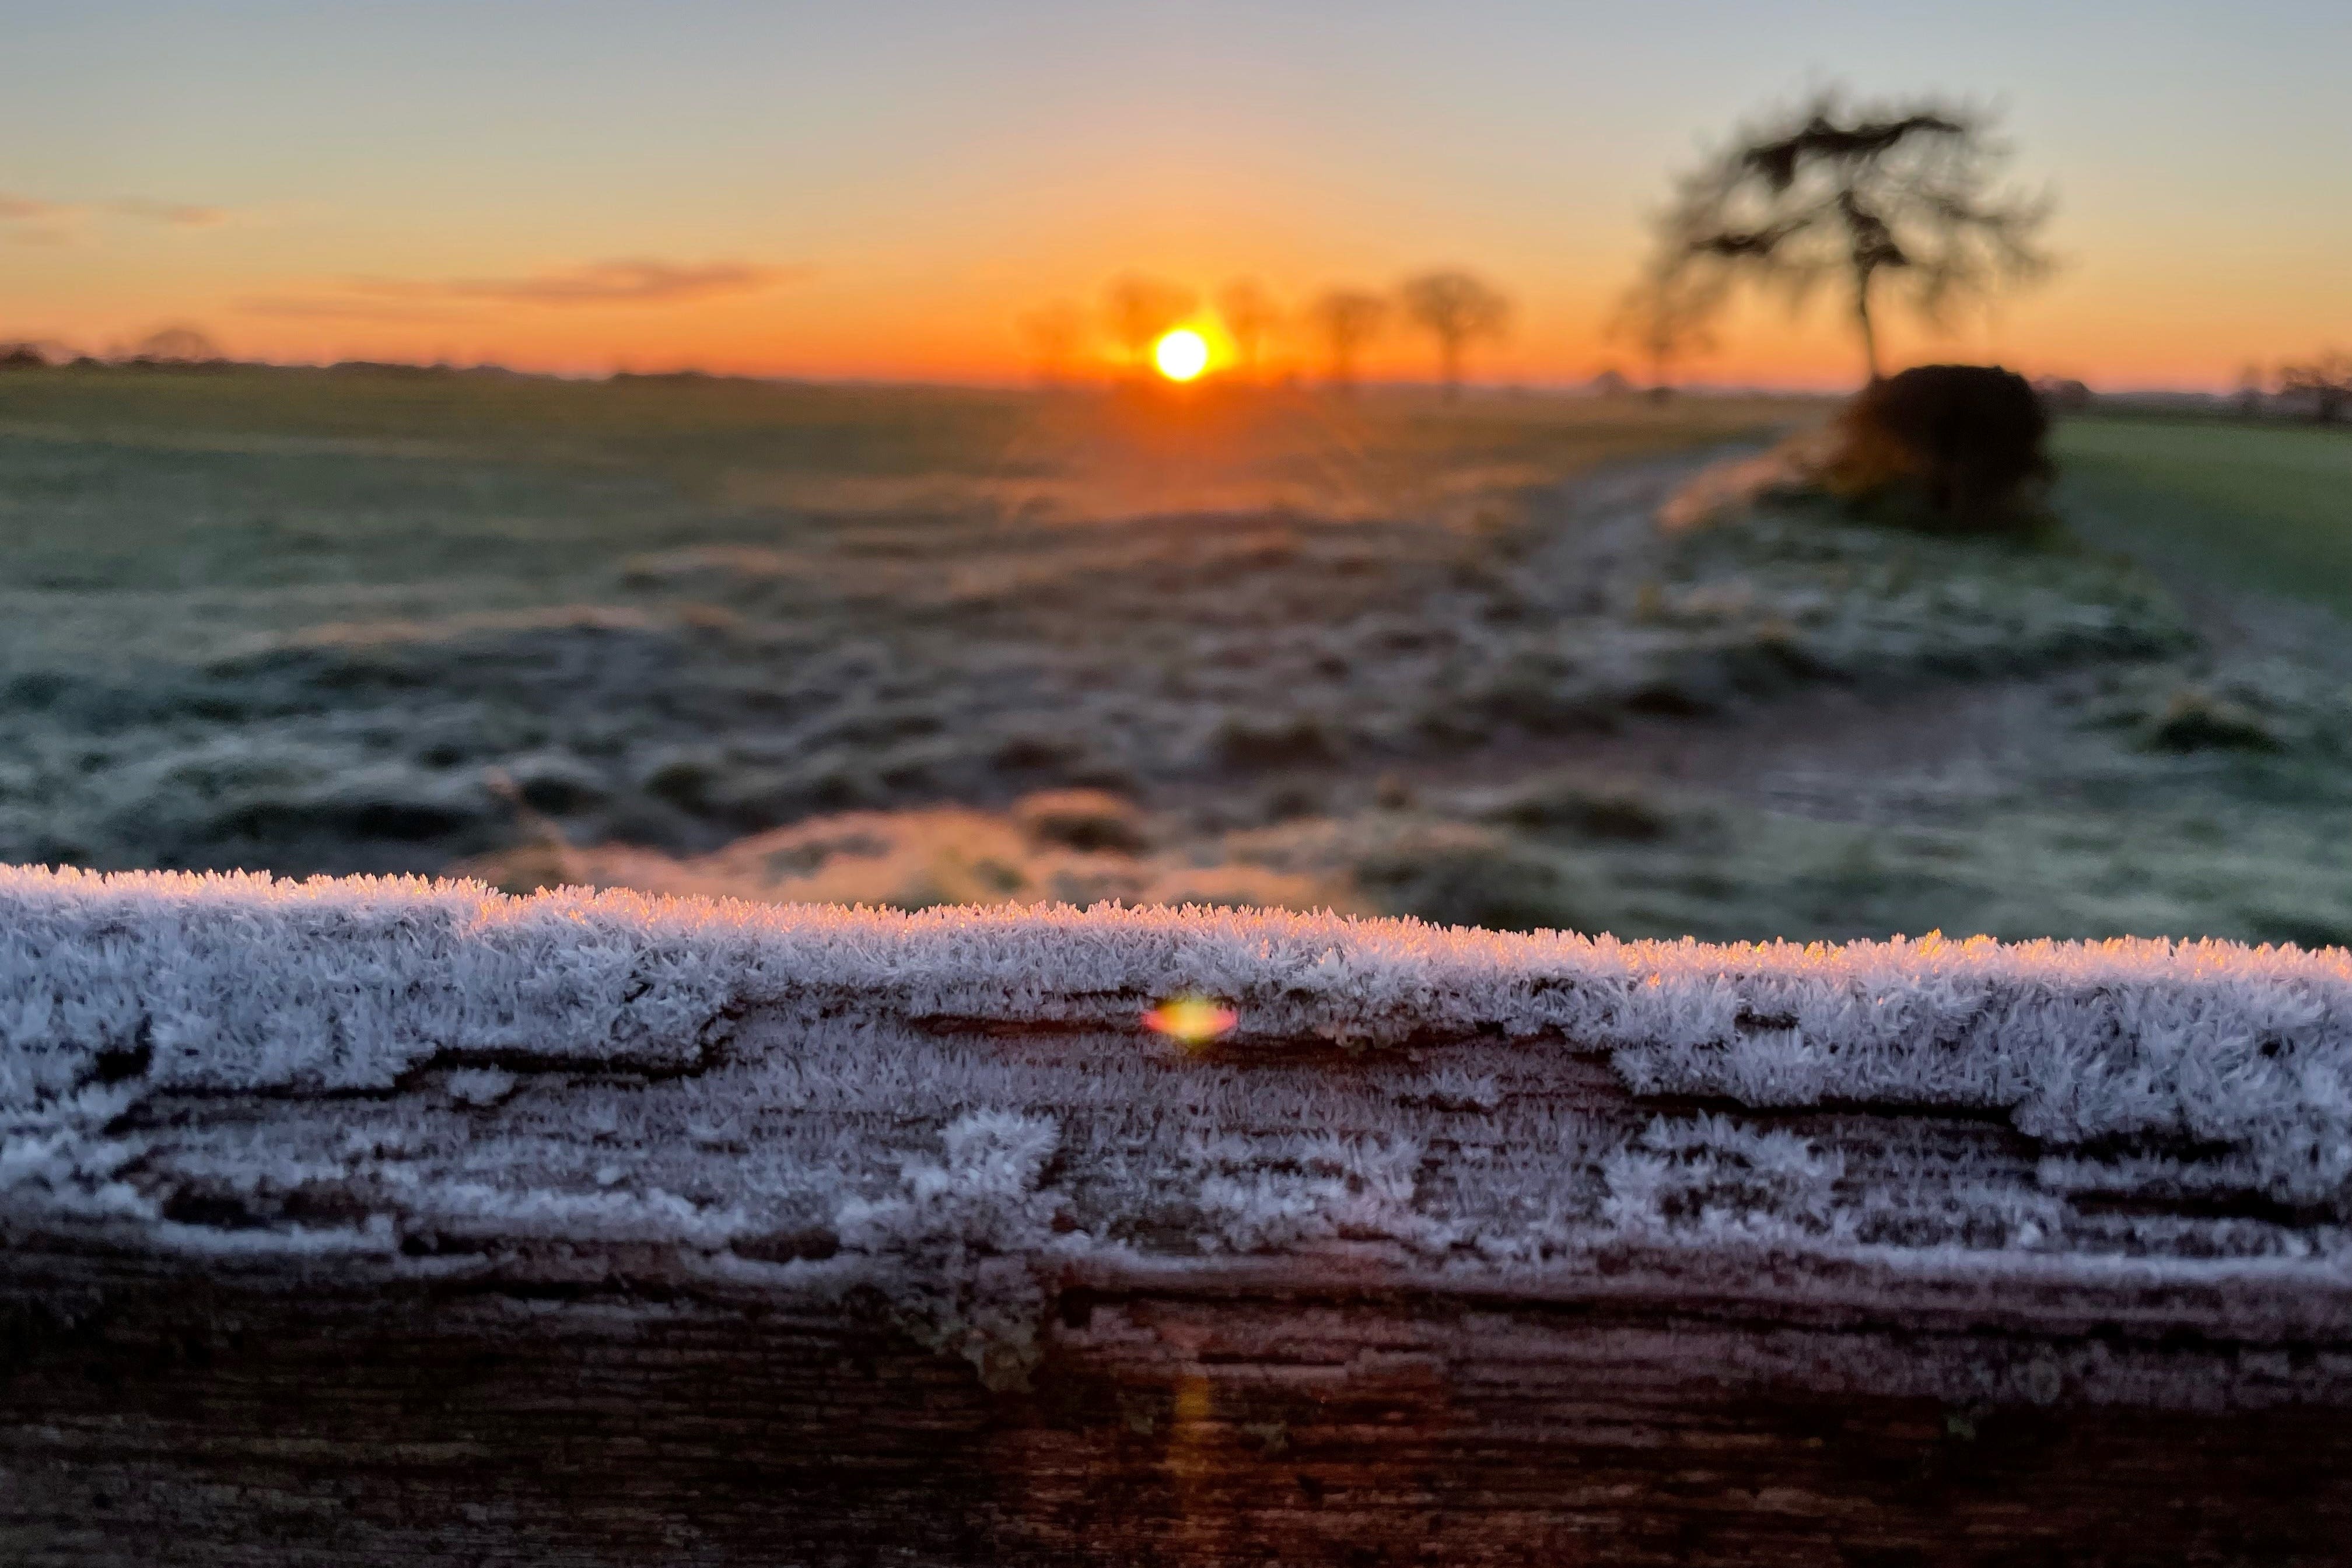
1182,355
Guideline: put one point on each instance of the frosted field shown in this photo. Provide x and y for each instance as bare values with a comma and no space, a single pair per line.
923,647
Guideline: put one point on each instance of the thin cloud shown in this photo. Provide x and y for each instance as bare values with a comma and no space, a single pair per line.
28,220
31,221
173,215
597,283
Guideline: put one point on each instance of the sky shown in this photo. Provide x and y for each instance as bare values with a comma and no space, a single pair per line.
885,189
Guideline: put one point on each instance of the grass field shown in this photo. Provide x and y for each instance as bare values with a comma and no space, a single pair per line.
292,617
916,645
2261,507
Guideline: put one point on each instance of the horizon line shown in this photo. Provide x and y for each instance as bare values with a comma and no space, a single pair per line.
1098,381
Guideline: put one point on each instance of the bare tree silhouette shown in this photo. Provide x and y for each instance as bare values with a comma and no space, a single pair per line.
1454,307
177,346
1141,309
2324,380
1346,319
1668,315
1052,332
1836,192
1249,314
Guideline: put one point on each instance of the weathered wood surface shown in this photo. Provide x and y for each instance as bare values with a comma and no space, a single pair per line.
188,1421
873,1270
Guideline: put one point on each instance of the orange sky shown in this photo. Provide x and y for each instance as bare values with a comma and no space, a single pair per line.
788,190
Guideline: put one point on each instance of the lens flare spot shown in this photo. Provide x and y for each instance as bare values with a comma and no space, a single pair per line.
1191,1020
1182,355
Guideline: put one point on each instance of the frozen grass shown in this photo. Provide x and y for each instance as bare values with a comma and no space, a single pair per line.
716,637
2263,507
1062,846
2156,805
291,619
337,642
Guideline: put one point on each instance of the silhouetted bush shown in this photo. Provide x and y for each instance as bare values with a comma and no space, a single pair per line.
1957,446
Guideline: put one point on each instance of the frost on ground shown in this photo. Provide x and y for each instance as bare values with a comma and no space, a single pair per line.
956,1108
1366,653
223,658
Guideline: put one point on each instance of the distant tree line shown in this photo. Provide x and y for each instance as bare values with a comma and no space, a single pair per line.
2322,385
171,346
1455,308
1893,206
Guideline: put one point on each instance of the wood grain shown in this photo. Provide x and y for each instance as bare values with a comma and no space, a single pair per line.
1341,1402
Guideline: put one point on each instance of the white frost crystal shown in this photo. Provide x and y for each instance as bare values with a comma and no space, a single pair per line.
815,1098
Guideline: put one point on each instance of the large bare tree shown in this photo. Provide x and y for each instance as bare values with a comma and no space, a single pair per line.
1454,307
1346,319
1869,195
1249,313
1141,309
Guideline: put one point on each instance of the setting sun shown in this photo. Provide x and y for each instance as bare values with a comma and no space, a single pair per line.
1182,355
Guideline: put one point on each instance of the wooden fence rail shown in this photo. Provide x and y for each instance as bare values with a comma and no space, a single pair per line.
389,1223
